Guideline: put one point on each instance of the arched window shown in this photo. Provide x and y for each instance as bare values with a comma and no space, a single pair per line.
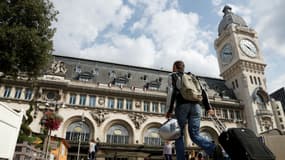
151,137
75,129
260,102
118,134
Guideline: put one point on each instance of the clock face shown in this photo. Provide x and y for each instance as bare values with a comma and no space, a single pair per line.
248,47
227,54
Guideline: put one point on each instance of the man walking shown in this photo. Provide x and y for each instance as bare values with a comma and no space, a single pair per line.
190,111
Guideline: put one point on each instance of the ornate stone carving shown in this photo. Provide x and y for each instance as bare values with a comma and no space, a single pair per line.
138,104
137,119
101,100
266,123
99,116
58,67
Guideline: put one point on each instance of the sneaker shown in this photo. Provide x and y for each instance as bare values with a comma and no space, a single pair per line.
218,153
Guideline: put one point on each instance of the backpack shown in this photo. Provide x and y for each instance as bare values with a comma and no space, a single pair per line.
189,87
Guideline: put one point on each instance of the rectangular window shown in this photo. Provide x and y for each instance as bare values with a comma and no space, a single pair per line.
129,104
92,101
120,103
18,93
111,103
155,107
231,114
162,108
146,106
72,99
225,114
238,116
82,100
28,94
259,82
7,92
251,80
236,83
255,81
233,84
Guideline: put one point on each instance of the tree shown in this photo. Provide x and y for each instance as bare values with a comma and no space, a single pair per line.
25,36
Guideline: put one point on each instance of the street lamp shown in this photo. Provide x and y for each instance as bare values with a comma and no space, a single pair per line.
45,119
79,142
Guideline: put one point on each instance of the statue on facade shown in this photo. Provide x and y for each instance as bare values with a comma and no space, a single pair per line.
137,119
58,67
99,116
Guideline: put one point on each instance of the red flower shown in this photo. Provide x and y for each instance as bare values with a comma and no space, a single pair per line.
52,120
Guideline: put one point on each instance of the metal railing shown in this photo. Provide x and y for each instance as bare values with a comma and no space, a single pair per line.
24,151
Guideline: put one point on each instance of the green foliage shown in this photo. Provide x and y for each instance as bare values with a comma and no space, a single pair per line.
25,36
25,129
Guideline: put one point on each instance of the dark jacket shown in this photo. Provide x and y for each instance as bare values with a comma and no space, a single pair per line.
173,94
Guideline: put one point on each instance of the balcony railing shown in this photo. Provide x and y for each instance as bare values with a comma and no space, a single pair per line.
26,151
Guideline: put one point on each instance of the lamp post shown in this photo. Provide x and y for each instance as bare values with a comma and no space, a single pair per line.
79,142
50,128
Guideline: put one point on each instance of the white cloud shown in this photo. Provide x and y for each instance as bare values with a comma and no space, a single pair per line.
216,2
122,49
277,83
80,22
269,17
165,34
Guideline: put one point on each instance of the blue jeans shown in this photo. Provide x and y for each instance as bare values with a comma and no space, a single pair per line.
167,157
192,113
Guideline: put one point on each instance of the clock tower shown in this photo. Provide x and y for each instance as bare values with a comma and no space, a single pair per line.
242,66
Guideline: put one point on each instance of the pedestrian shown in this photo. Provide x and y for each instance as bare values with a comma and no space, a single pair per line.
190,111
167,150
92,149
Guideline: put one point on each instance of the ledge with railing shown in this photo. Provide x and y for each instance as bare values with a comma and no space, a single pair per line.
25,151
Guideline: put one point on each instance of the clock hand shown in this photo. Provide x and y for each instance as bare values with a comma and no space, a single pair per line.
248,47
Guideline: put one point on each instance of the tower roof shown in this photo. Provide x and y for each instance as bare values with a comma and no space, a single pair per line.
230,18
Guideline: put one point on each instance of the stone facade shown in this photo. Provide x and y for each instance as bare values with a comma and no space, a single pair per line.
122,106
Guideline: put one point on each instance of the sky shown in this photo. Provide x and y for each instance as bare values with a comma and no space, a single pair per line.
155,33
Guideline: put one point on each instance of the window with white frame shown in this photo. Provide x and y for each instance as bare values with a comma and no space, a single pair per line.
146,106
82,100
225,114
92,101
120,103
111,102
238,115
7,92
28,93
72,99
151,137
118,134
155,107
18,93
231,114
129,104
162,108
76,130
